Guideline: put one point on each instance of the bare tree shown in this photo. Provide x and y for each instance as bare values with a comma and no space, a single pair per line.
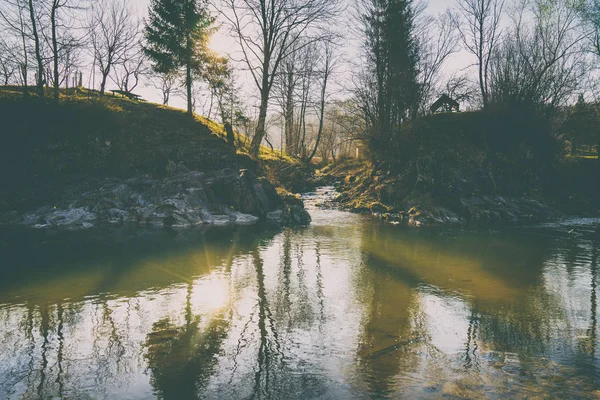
38,49
478,23
168,84
70,58
19,18
7,64
287,81
328,64
460,88
267,31
437,41
542,61
62,38
113,32
308,58
11,56
133,67
344,127
219,75
591,16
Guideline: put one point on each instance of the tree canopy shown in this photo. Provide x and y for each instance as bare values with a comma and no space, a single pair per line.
177,33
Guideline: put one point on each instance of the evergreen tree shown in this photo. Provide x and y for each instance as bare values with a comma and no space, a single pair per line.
177,33
392,56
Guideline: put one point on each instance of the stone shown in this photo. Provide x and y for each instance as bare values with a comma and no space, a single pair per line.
244,219
275,216
177,200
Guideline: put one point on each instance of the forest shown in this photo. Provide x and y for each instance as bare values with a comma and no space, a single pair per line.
297,75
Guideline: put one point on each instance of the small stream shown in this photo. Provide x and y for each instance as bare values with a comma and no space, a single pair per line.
347,308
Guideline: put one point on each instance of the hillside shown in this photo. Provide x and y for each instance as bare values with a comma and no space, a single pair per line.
161,166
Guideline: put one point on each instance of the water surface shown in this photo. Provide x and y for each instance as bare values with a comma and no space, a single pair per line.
346,308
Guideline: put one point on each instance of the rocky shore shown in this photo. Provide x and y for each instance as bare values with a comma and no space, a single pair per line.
180,200
476,210
463,199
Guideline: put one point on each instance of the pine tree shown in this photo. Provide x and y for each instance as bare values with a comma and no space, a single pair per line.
392,58
176,34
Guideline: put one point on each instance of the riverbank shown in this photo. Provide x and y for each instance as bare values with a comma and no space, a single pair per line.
88,161
493,167
469,198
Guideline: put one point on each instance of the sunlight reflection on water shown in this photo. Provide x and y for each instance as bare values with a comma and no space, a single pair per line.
345,308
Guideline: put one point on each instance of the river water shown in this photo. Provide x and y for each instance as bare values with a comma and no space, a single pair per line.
346,308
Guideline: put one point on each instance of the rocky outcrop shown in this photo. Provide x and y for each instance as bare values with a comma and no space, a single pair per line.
181,199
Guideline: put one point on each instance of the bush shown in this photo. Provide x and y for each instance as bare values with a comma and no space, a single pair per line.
522,133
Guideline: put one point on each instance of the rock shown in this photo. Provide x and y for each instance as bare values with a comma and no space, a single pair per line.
244,219
298,216
276,216
178,200
502,209
71,219
292,210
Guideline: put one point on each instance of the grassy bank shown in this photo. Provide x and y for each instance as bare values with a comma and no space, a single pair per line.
87,136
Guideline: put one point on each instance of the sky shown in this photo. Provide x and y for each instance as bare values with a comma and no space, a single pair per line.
223,43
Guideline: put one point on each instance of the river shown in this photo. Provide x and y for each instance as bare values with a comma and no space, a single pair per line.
347,308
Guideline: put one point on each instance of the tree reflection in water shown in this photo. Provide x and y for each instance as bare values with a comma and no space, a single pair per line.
331,311
182,358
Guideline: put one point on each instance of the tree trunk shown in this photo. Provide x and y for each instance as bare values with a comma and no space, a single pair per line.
290,146
230,135
480,59
188,86
210,106
23,67
265,88
321,121
302,145
227,119
103,83
322,112
188,75
481,86
38,55
54,49
259,134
